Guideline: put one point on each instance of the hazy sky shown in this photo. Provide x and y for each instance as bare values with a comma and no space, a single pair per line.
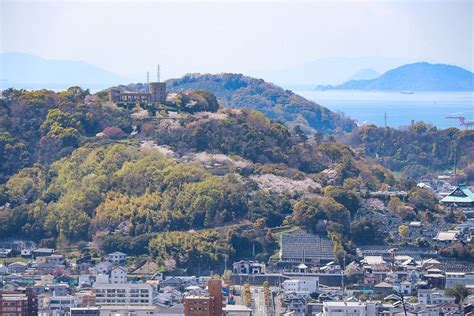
130,37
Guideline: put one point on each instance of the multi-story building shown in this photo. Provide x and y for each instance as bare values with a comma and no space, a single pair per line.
117,257
18,304
118,275
345,309
295,302
297,285
433,296
62,303
104,267
248,267
123,294
85,311
209,305
463,278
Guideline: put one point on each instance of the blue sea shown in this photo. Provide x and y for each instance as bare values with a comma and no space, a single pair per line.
401,109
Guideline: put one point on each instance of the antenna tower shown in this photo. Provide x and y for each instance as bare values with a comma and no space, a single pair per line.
148,79
158,73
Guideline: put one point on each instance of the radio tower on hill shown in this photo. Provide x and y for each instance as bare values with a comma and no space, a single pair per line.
158,73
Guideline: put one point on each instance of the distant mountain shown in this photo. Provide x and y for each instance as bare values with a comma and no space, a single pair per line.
238,91
330,70
415,77
21,70
365,74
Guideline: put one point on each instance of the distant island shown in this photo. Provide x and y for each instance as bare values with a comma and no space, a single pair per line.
365,74
420,76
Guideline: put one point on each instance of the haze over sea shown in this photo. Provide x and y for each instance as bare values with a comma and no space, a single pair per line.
370,106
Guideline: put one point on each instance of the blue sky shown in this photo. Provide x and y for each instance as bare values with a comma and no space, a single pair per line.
130,37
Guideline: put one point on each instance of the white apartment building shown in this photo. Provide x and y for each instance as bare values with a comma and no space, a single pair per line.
103,267
117,257
434,296
309,285
123,294
347,309
64,303
463,278
118,275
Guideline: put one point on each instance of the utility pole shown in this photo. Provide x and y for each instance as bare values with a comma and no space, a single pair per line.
148,80
342,279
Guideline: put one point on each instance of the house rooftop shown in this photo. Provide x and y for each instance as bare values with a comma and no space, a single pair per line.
384,285
118,253
341,304
461,195
236,308
450,235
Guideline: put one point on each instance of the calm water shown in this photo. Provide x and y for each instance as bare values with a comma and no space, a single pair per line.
368,106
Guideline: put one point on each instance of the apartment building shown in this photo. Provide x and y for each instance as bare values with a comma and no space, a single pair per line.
123,294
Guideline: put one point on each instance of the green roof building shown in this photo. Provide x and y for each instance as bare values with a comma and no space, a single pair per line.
461,196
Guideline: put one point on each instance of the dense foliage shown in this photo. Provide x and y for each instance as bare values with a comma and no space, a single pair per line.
416,150
73,171
238,91
43,126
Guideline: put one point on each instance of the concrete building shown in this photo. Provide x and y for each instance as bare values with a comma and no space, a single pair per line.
309,285
13,304
62,303
127,310
42,252
85,311
156,93
103,267
248,267
123,294
118,275
237,310
209,305
433,297
345,309
117,257
463,278
18,304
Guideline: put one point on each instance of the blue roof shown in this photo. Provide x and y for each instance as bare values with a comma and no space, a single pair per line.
461,194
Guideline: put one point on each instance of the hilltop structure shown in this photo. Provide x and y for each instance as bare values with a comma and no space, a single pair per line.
156,92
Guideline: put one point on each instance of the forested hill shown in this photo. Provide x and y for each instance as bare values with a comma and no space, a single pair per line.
76,168
239,91
415,77
420,149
